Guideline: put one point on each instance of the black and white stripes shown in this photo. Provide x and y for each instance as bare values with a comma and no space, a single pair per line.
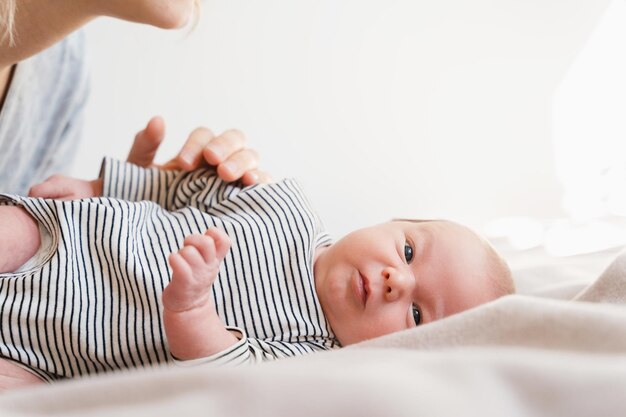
95,305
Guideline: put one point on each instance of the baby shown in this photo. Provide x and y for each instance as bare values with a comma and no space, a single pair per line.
181,266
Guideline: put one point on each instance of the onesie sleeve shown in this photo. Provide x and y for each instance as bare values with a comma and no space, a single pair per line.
170,189
250,351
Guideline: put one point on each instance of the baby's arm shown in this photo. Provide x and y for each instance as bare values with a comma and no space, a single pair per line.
193,328
20,237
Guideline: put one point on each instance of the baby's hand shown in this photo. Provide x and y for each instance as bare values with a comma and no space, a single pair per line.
194,270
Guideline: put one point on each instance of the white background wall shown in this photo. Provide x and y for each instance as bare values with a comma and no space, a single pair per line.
382,108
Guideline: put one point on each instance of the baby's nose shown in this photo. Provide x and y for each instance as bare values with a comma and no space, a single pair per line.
395,284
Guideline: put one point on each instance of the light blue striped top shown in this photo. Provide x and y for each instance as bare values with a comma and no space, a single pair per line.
40,121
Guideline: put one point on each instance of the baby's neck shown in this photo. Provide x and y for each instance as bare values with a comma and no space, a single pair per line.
316,256
318,252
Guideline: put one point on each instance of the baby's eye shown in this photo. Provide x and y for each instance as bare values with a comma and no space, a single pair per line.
408,252
417,316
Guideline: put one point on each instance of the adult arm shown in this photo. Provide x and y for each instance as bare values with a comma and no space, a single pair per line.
40,24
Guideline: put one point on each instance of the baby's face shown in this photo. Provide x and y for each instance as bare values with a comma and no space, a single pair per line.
396,275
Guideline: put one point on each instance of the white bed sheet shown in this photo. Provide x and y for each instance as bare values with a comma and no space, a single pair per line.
537,353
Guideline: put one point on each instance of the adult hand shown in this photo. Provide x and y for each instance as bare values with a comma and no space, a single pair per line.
227,152
62,187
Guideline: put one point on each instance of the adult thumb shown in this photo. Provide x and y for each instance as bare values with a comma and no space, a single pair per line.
147,143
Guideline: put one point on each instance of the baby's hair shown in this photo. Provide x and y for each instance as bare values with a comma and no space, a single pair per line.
8,9
498,270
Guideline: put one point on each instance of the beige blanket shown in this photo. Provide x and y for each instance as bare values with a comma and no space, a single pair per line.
520,355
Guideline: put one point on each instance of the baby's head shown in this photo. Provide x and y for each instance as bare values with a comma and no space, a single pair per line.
400,274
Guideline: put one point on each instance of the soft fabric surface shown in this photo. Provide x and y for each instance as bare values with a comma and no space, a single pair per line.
520,355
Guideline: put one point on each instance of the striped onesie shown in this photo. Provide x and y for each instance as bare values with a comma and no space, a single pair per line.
93,303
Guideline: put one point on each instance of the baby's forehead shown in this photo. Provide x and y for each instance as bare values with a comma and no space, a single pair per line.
446,234
449,239
450,227
459,260
441,227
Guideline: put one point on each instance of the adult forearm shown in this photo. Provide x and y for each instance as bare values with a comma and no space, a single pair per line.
39,24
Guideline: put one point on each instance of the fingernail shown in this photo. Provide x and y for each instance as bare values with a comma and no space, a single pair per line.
230,166
187,158
253,177
218,152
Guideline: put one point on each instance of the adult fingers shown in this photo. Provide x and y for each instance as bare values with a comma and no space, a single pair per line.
59,187
238,164
49,189
147,143
256,176
222,147
190,156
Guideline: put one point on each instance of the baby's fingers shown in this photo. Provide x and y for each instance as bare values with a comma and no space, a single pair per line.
192,256
221,241
180,267
204,246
